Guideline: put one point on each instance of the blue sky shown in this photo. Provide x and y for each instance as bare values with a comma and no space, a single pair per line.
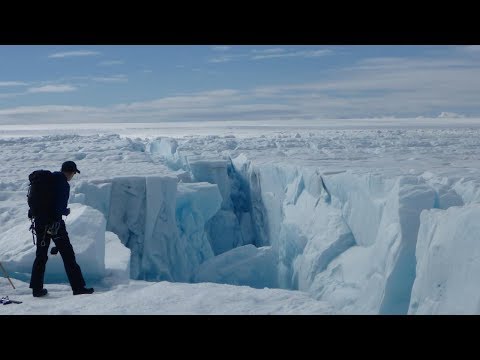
135,83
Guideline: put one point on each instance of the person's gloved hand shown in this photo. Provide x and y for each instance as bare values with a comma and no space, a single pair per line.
53,228
67,212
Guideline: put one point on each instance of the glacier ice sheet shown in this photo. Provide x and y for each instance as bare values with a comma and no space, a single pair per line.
344,231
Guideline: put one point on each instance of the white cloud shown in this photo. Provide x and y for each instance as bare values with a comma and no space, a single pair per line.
201,105
381,86
182,101
74,54
267,91
10,95
221,59
111,62
111,79
395,63
52,89
12,83
451,115
472,48
221,48
46,109
220,93
269,51
394,74
283,54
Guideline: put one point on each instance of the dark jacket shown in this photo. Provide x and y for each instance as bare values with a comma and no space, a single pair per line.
61,195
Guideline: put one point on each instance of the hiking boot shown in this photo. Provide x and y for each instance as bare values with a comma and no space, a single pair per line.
83,291
40,293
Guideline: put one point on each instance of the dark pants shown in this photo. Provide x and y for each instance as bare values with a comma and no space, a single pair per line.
62,242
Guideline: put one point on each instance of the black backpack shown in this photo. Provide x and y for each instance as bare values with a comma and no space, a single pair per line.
40,195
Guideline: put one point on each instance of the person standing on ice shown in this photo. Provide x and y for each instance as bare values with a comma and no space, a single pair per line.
55,230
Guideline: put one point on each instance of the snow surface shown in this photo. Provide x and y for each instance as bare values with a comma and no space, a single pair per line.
371,218
162,298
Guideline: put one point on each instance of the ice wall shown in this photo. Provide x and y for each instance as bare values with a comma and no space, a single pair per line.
127,216
233,225
376,274
223,228
117,260
196,204
345,237
448,265
165,149
161,221
246,265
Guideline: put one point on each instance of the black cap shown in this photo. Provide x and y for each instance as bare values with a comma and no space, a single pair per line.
70,166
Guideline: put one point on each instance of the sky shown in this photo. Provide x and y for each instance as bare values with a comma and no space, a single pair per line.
157,83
